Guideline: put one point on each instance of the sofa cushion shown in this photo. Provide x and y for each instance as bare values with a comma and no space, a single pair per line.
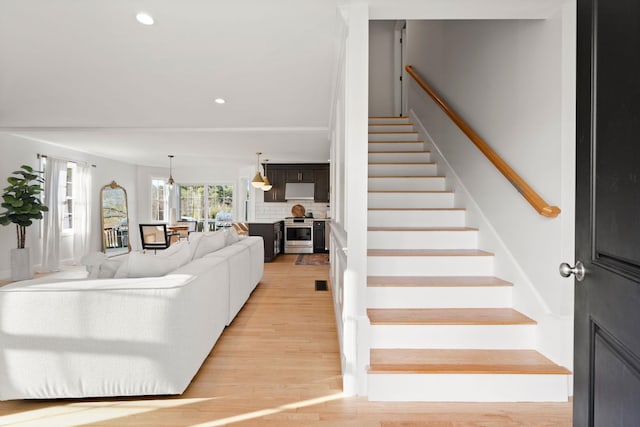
147,265
180,253
210,242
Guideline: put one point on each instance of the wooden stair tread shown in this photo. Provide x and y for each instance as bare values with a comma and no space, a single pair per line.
396,132
408,176
427,252
399,152
447,361
416,209
390,124
402,163
395,141
413,191
421,229
435,281
447,316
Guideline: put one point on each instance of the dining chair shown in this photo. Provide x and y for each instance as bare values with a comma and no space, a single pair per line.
154,236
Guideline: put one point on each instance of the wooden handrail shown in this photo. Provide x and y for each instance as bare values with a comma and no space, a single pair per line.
523,188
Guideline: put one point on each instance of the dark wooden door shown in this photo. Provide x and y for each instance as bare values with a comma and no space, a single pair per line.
607,301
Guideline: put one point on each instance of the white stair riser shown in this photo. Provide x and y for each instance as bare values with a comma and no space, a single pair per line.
430,265
467,388
439,297
467,239
489,337
418,183
389,136
421,156
436,218
410,200
383,120
396,146
386,127
403,169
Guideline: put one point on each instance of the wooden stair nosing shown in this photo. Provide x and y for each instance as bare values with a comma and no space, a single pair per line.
395,141
419,229
447,316
400,151
416,209
391,124
436,281
412,132
408,176
428,252
401,163
413,191
448,361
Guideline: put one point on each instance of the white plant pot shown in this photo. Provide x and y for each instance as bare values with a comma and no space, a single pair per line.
20,264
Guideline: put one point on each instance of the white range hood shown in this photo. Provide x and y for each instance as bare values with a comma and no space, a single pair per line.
299,191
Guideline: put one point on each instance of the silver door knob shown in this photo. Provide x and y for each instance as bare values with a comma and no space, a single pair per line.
578,271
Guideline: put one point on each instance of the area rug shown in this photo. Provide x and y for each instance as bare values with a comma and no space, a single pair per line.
312,259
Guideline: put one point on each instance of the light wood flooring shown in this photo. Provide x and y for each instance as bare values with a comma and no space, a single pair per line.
277,365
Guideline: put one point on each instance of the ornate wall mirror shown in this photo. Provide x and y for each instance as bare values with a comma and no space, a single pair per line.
115,220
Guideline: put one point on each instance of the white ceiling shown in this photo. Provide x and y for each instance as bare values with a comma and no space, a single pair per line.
85,74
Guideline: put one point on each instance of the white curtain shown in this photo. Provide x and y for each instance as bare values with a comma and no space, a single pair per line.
81,212
55,173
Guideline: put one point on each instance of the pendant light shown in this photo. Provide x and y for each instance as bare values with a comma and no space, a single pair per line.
258,181
170,181
267,185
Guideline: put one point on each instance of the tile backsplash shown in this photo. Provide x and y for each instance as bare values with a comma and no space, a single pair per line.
268,212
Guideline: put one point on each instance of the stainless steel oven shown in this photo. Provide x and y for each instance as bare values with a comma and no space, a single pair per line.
298,235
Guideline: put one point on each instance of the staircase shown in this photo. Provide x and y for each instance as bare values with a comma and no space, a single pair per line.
442,326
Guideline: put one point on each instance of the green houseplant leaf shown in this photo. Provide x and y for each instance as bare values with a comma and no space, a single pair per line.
21,201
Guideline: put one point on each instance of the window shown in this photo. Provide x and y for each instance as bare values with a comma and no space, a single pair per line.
211,205
65,194
67,200
159,200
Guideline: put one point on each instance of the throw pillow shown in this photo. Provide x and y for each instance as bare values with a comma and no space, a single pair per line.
92,263
210,242
232,236
149,265
109,267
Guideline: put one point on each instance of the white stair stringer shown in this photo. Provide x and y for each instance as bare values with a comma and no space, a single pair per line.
424,258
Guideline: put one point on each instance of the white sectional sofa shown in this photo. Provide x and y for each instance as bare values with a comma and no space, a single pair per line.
130,334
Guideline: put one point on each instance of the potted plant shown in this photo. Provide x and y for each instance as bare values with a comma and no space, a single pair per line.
22,205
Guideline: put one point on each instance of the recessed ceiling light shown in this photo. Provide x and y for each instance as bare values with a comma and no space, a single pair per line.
144,18
219,101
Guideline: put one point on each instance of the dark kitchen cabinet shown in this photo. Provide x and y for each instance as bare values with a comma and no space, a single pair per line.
272,235
279,174
319,240
277,178
300,174
321,190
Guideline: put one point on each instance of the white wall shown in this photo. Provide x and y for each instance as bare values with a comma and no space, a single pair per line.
270,212
506,79
17,151
381,68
